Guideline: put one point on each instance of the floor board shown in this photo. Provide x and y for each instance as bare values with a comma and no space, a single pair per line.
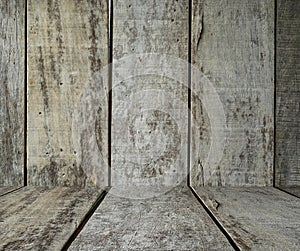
256,218
42,219
173,221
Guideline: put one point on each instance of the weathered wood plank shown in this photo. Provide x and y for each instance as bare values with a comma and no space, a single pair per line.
12,34
233,48
42,219
149,128
288,94
256,218
67,46
173,221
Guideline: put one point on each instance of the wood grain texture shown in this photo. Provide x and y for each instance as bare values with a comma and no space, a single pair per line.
173,221
149,128
256,218
232,46
67,47
42,219
12,34
288,94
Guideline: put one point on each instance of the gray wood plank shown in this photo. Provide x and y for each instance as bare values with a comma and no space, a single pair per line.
12,34
256,218
173,221
42,219
67,121
233,49
288,94
149,128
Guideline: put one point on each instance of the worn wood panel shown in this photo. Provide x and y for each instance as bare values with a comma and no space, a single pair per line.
233,49
288,94
149,128
67,119
256,218
42,219
12,34
173,221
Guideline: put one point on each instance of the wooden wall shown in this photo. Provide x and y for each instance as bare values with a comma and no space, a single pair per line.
12,46
67,46
232,50
233,47
149,126
288,94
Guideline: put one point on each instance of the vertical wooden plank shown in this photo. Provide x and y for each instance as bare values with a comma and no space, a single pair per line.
67,46
288,94
12,35
149,129
233,49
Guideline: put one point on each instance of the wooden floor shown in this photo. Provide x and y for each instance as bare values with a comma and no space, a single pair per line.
42,219
173,221
256,218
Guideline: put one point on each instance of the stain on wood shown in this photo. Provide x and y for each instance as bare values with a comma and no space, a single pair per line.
233,48
67,47
288,94
12,34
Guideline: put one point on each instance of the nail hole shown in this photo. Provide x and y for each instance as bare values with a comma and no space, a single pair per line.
172,20
61,149
40,113
60,83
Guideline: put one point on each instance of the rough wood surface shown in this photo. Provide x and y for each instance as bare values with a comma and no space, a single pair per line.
233,47
288,94
67,46
256,218
12,34
149,128
42,219
293,190
173,221
7,189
